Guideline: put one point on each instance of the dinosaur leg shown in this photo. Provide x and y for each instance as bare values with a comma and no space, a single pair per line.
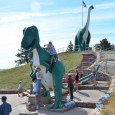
84,46
81,47
76,47
88,40
44,93
57,81
87,44
57,72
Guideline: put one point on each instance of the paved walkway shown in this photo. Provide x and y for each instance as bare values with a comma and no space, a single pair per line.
80,111
91,96
19,103
14,100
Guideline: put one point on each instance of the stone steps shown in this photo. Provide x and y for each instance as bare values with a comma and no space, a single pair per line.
86,98
8,91
83,104
82,87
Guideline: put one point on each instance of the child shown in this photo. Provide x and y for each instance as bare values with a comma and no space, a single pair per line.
39,77
20,89
33,86
93,78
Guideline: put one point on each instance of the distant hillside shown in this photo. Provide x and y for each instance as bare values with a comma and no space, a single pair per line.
9,78
2,69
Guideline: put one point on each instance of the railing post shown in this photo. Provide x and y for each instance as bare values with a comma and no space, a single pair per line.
106,63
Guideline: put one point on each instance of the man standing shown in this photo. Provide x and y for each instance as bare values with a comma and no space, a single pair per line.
5,108
39,77
70,86
94,75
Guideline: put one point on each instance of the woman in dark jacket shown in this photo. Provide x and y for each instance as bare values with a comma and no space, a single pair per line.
70,86
77,80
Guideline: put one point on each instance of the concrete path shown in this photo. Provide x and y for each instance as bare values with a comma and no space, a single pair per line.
91,96
81,111
19,103
14,100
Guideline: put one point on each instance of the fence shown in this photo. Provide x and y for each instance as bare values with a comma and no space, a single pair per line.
65,49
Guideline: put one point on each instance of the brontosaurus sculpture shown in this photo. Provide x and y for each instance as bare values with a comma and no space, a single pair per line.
83,36
53,77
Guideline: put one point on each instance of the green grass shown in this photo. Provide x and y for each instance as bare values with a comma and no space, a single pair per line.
71,60
109,107
9,78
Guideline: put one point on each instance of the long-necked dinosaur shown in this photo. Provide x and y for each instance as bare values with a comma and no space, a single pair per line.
82,39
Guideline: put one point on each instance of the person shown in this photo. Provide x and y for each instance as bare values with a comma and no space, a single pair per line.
77,77
70,86
5,108
94,75
33,86
52,51
39,77
20,89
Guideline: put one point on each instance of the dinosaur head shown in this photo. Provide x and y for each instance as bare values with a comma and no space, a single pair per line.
30,38
91,7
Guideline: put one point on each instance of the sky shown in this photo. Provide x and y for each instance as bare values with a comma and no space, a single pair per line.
57,21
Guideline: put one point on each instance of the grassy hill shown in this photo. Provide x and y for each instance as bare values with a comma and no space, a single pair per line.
9,78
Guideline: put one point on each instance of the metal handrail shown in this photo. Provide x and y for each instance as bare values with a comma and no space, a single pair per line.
64,49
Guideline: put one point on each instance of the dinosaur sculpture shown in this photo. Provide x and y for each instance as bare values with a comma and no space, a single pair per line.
82,39
53,77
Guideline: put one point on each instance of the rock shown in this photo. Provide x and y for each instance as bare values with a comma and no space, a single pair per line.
39,100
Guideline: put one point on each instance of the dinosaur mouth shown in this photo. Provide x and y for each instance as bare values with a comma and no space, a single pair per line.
30,47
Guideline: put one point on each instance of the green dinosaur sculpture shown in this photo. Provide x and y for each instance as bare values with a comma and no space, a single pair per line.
82,39
52,73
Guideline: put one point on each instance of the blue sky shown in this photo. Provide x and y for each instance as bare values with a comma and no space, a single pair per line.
57,21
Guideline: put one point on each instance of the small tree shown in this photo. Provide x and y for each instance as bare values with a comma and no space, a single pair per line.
23,57
112,47
105,45
70,47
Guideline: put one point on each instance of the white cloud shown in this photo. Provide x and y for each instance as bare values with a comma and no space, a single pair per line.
20,16
35,5
104,6
106,31
58,26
